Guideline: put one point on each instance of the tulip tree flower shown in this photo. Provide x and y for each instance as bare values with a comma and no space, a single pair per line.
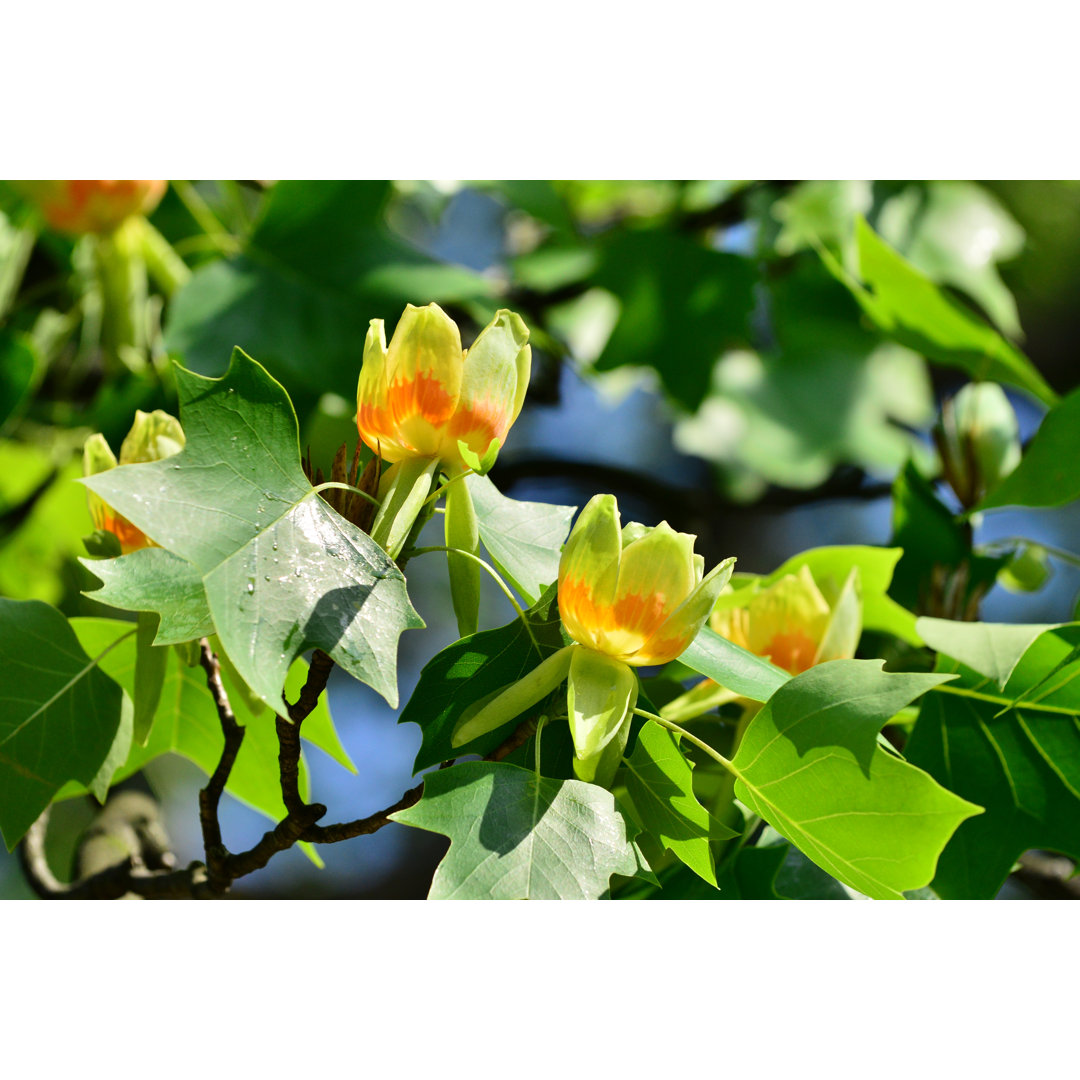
153,436
793,623
92,206
629,597
425,405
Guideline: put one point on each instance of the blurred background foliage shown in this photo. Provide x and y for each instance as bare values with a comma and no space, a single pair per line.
734,356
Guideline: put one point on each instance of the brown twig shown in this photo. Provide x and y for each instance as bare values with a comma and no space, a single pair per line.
121,879
288,731
210,796
333,834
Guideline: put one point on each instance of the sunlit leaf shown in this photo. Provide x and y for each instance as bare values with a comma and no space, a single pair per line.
517,836
810,765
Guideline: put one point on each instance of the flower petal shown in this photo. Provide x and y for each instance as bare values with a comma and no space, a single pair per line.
841,637
494,381
656,574
423,370
153,436
788,621
589,570
373,418
676,633
601,694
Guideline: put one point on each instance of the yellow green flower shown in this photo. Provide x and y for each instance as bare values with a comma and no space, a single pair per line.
632,593
153,436
422,396
92,206
425,405
629,596
792,622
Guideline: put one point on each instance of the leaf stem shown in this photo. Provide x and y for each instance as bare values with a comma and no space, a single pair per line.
205,218
699,743
346,487
499,581
441,489
998,699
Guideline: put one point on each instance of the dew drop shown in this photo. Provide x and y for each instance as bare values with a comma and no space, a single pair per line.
266,577
251,586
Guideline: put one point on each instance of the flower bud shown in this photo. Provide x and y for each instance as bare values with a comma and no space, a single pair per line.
979,440
92,206
423,397
153,436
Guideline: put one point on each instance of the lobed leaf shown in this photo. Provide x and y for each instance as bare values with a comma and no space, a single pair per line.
282,571
809,763
517,836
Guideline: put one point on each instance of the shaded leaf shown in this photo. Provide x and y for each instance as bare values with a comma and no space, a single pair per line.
59,712
659,781
1022,765
155,580
516,836
320,264
682,305
524,539
466,673
282,571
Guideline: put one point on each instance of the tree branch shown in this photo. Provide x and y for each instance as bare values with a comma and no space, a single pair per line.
123,878
210,796
333,834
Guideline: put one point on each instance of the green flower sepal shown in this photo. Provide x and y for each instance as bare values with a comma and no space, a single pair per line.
601,694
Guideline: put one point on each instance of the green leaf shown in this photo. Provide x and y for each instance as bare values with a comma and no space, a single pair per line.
59,713
150,663
1047,473
36,558
1022,765
516,836
810,765
524,539
910,308
682,305
320,265
282,571
17,368
474,669
962,232
828,392
155,580
660,784
933,540
187,723
991,649
732,666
